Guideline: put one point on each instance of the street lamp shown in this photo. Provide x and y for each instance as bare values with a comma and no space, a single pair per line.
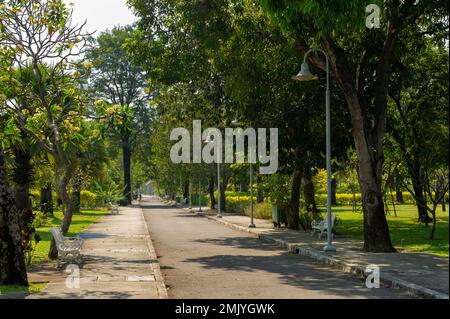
190,194
199,197
306,75
252,224
219,215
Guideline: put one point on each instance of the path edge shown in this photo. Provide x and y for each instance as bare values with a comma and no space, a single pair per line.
160,285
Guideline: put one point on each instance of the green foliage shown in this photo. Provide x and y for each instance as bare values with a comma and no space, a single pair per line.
262,211
106,192
89,199
40,219
278,186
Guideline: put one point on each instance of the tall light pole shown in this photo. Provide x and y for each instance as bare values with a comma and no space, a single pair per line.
219,215
306,75
199,197
252,224
190,194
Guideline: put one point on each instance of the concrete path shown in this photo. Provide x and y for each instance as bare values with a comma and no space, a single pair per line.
119,262
422,275
200,258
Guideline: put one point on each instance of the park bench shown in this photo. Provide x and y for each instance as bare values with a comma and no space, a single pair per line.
114,210
322,227
69,248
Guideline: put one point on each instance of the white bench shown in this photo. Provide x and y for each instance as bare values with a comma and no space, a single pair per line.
322,227
114,210
68,247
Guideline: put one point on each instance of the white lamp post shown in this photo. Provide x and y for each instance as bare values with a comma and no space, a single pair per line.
190,194
252,224
219,215
199,197
306,75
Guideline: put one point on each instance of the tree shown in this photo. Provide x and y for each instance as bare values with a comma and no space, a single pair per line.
419,112
32,34
360,61
114,79
237,61
12,262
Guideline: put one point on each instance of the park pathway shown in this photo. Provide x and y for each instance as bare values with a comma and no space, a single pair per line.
119,262
200,258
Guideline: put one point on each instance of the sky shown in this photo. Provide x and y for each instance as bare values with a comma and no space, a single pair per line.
101,14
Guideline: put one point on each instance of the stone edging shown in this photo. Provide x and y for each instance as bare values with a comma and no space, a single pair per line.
160,285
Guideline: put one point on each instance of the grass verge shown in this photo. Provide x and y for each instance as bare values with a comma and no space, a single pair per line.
33,287
406,233
79,223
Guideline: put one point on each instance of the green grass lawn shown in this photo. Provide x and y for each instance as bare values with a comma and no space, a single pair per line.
79,223
33,287
406,232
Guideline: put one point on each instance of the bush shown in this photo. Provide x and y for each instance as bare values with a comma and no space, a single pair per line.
195,199
347,199
41,219
261,211
236,204
88,199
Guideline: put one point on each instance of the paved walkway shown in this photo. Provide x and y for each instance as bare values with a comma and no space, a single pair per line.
200,258
423,275
119,262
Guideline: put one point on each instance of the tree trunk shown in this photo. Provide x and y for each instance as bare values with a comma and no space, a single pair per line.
67,206
333,191
186,188
368,131
126,155
211,192
223,189
294,206
12,262
23,172
398,188
370,164
419,197
76,195
309,191
46,202
376,231
433,226
443,205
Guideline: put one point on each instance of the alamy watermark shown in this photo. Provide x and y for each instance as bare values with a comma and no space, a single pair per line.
373,19
207,146
73,279
373,276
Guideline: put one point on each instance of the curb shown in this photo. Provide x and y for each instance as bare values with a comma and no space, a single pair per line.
160,285
359,271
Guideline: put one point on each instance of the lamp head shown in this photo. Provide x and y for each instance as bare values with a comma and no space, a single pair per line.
305,74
